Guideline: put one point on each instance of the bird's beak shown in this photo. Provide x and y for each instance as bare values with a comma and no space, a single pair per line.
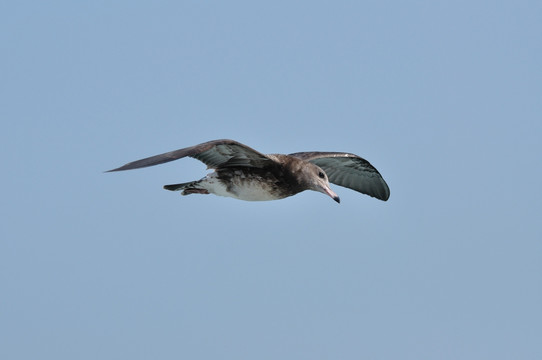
328,191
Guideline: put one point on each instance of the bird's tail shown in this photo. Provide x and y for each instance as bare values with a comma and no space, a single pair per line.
187,188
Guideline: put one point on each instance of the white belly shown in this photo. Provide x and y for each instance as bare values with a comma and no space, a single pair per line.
239,189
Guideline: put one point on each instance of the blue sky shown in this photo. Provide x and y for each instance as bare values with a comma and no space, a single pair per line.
444,98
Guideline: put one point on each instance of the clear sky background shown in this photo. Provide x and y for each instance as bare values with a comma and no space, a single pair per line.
443,98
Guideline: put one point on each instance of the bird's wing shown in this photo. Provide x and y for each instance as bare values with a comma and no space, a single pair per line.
216,153
350,171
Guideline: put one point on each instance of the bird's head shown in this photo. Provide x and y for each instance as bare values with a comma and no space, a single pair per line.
318,181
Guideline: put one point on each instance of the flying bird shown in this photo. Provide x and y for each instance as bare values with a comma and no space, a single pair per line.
243,173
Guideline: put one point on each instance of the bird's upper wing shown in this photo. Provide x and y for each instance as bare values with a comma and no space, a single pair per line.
350,171
216,153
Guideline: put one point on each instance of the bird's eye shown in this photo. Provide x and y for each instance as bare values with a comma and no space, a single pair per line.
321,175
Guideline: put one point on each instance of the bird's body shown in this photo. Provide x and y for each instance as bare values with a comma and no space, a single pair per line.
273,182
236,183
245,174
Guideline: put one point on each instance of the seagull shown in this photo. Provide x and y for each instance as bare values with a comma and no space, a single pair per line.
243,173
